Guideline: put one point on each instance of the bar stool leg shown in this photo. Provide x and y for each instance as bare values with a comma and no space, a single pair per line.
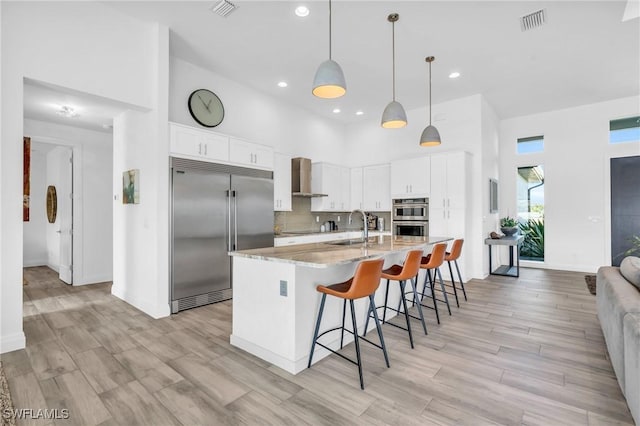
386,299
446,299
355,338
406,311
417,303
344,311
315,333
461,282
453,283
433,295
372,307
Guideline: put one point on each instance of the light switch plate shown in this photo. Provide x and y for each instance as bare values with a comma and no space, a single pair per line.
283,288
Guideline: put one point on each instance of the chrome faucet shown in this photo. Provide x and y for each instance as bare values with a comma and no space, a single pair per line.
365,225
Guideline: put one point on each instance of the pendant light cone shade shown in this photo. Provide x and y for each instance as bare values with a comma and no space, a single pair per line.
329,81
430,135
393,116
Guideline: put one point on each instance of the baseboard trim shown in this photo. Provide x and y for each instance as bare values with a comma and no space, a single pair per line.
156,312
34,262
12,342
94,280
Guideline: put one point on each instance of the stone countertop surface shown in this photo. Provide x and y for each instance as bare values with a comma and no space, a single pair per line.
324,255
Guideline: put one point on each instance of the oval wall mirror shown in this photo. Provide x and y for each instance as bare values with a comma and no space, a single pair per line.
52,203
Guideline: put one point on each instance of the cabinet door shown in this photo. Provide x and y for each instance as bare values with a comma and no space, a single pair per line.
325,179
345,189
456,180
184,141
215,147
401,173
250,154
356,188
377,189
438,222
282,182
438,195
420,173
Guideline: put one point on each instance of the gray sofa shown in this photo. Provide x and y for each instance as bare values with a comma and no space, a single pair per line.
618,305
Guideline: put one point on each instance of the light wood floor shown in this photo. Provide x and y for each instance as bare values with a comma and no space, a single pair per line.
520,351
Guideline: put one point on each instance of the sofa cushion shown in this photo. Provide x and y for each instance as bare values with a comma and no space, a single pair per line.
615,297
630,269
632,363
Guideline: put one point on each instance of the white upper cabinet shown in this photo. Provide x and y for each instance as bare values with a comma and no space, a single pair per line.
377,190
282,182
188,142
355,200
411,178
332,180
250,154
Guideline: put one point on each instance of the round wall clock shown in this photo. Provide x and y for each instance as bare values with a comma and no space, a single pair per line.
206,108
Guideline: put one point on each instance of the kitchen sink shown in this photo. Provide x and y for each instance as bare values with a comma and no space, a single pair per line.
346,242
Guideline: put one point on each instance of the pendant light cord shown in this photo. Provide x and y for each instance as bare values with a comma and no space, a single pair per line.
430,93
393,57
329,29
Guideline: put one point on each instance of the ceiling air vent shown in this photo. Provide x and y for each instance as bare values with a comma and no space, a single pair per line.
533,20
223,8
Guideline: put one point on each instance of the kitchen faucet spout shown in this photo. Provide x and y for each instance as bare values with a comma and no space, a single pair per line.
365,225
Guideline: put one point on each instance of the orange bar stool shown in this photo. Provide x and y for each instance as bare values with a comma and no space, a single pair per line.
364,283
408,271
453,256
433,262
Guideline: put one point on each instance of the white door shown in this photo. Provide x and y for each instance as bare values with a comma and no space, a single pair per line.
65,213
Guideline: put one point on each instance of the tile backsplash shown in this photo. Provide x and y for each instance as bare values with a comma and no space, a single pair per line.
302,219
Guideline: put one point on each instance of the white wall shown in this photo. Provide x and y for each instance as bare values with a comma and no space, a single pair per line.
35,237
577,179
84,46
490,170
252,115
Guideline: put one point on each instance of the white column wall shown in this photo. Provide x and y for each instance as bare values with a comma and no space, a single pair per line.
490,170
84,46
577,178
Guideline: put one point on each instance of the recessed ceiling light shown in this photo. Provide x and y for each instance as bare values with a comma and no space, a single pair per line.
282,84
67,111
454,74
336,110
302,11
359,112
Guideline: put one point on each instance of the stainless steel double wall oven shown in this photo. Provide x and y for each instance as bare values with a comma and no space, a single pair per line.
411,217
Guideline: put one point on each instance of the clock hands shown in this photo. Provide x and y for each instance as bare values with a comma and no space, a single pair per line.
205,104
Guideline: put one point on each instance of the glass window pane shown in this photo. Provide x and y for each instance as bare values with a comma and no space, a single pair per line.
530,186
530,144
624,130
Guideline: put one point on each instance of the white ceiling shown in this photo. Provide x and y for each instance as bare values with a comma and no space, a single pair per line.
584,54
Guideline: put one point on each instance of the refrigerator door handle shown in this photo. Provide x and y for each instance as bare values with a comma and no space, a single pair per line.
235,220
228,220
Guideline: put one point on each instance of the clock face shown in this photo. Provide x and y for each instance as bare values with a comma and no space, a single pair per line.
206,108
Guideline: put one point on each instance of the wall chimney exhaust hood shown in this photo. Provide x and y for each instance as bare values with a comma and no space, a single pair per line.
301,178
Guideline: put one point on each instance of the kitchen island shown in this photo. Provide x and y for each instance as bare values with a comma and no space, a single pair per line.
275,301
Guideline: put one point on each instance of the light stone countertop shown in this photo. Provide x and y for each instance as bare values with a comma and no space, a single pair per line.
324,255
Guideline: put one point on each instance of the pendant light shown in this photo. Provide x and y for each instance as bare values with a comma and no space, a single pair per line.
329,81
393,116
430,135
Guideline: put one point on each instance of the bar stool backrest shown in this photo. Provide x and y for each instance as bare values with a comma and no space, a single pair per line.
437,256
411,265
366,279
456,250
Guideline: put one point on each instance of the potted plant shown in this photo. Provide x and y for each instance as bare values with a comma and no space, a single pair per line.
508,226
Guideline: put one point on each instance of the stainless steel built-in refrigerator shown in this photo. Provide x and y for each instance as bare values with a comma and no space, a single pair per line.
215,209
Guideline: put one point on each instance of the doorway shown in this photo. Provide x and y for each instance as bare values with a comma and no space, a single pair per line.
530,187
625,205
48,226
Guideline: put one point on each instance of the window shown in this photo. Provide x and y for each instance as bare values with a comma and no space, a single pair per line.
530,144
530,184
624,130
